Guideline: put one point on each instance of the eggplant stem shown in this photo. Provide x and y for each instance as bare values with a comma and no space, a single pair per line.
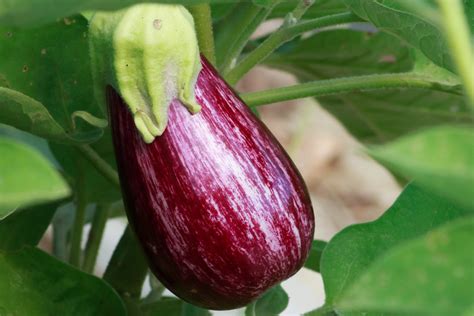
203,24
346,85
102,166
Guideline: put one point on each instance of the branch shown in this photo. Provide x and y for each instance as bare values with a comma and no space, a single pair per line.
99,163
345,85
285,34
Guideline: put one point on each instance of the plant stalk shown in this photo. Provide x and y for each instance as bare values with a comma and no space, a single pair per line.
95,237
203,23
345,85
457,35
284,34
79,220
229,41
99,163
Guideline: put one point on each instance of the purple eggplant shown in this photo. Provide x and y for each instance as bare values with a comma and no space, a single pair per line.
218,206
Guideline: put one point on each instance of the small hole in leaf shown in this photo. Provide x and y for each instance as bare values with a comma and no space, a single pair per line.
25,68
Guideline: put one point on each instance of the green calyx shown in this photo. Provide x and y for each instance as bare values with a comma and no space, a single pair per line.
149,53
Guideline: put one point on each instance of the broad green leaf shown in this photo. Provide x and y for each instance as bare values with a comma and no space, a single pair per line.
26,226
318,9
389,16
26,178
376,116
220,10
35,142
48,68
315,253
430,275
172,307
273,302
33,12
128,267
191,310
34,283
62,223
165,306
263,3
355,248
29,115
441,159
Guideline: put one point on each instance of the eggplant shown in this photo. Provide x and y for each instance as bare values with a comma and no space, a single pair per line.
218,206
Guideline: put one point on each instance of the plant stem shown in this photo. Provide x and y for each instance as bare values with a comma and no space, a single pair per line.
229,41
457,35
99,163
345,85
79,219
95,237
203,22
283,35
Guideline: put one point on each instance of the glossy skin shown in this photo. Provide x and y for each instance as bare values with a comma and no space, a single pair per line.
220,209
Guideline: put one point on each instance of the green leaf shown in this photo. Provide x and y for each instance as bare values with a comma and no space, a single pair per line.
165,306
29,115
441,159
318,9
26,178
273,302
390,17
263,3
191,310
315,253
35,142
48,68
431,275
128,267
34,283
62,223
220,10
28,13
172,307
355,248
26,227
376,116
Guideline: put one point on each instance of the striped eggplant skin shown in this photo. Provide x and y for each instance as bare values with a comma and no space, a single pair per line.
217,204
